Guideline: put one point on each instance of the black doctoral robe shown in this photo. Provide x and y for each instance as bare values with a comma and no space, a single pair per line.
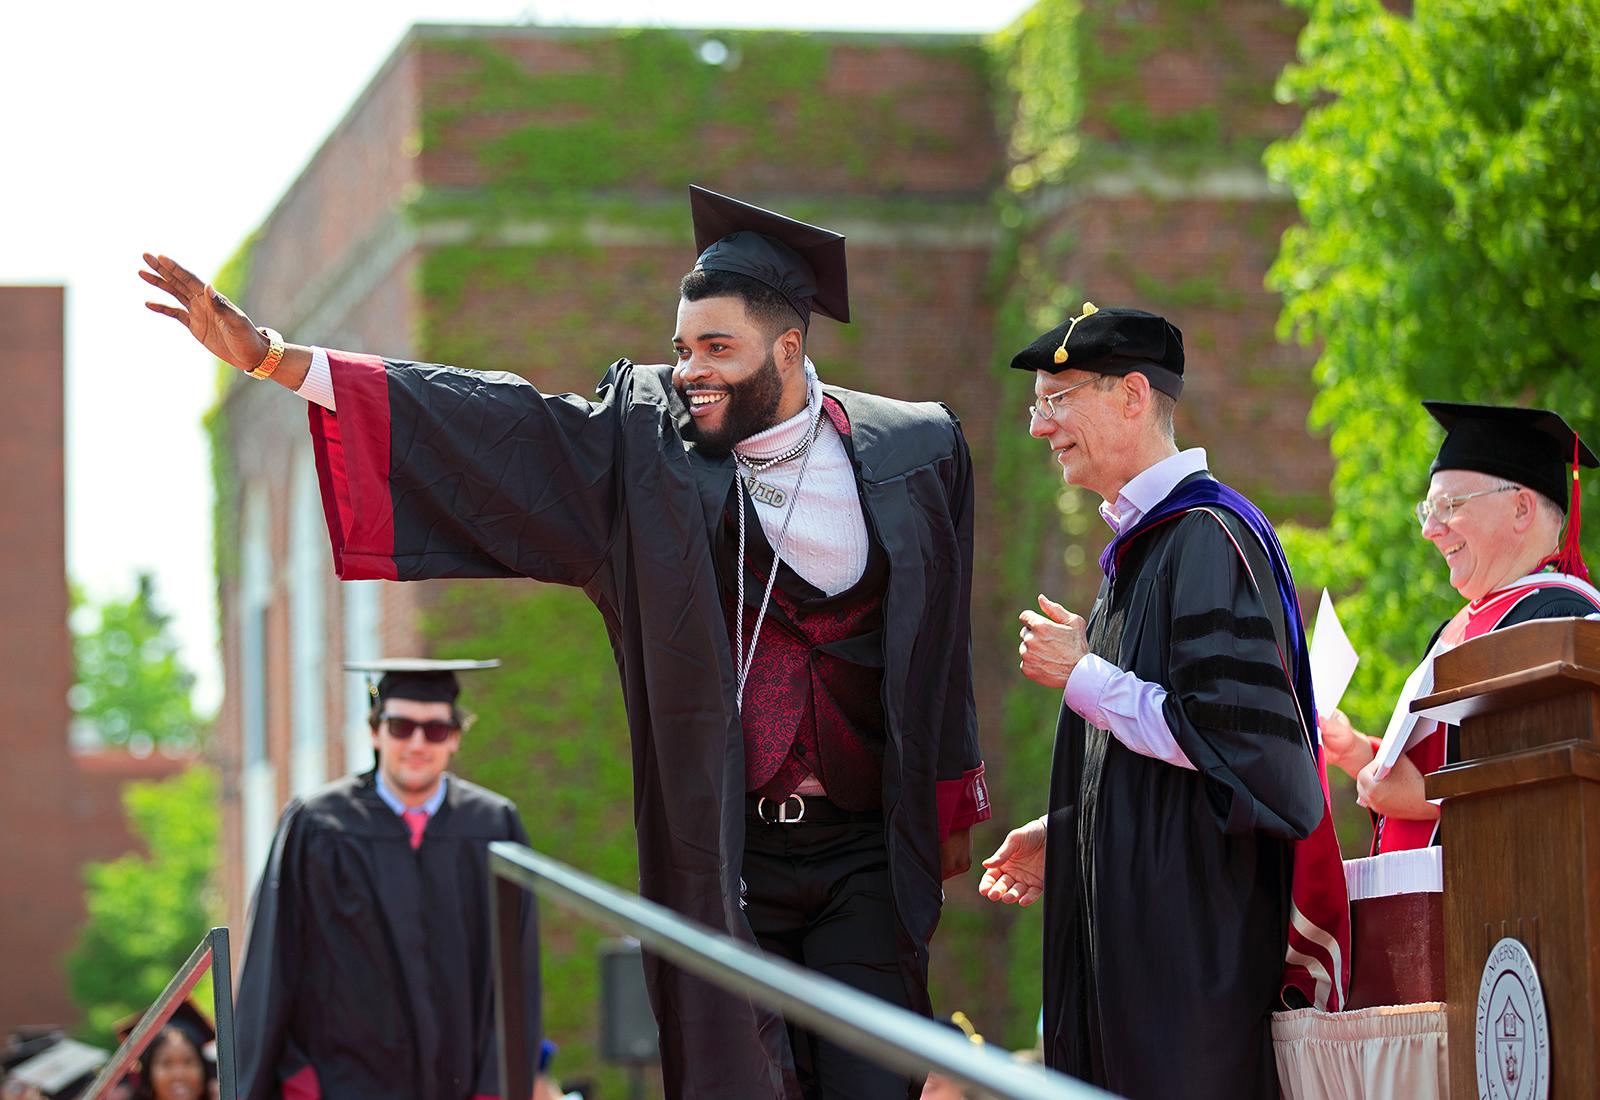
1167,891
431,471
368,961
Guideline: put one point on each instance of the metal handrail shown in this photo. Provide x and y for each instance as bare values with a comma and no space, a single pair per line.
211,953
886,1033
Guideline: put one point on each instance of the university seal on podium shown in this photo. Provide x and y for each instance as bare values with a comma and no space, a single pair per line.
1513,1037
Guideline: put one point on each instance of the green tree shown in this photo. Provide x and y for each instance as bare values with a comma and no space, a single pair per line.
147,912
1449,247
129,685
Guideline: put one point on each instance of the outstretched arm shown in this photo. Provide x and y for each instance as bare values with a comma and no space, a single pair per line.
428,471
217,323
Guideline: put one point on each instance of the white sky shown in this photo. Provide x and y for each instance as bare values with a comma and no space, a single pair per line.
128,127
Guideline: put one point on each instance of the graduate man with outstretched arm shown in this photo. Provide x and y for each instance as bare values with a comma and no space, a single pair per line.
785,571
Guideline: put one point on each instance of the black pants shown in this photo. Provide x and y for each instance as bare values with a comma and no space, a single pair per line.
819,896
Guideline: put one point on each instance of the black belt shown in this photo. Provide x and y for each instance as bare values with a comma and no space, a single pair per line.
812,809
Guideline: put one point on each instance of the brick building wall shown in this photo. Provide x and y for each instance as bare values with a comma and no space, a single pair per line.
430,225
58,810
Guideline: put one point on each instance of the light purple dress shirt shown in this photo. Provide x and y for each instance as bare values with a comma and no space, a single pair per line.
1103,694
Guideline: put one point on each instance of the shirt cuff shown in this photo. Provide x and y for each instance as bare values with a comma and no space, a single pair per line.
1085,687
318,384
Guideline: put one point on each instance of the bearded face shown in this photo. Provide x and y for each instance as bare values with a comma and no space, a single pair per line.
727,375
721,416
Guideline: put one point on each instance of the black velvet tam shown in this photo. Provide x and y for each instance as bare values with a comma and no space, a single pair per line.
804,263
1531,447
1111,341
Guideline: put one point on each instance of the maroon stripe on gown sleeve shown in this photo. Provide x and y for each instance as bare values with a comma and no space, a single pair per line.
351,448
962,802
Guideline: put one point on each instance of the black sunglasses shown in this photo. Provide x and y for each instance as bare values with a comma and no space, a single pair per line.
403,729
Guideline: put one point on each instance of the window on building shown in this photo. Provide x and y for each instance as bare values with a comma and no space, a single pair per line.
257,786
363,618
309,566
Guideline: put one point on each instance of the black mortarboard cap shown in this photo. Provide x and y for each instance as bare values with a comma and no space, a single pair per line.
422,679
804,263
185,1017
1111,341
1532,447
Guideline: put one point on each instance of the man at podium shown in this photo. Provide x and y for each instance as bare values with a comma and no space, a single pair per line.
1496,503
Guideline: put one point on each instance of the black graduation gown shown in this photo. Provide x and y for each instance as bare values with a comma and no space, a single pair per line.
432,471
1167,891
370,961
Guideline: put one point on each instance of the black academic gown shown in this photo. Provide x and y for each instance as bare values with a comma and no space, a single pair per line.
369,961
1167,891
432,471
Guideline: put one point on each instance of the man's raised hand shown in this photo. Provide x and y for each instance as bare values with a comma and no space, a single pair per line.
211,319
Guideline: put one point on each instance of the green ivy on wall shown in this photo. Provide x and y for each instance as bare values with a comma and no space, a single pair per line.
647,109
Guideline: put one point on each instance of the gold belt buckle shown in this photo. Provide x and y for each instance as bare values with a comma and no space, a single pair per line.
783,808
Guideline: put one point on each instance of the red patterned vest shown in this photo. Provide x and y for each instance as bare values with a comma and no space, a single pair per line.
813,702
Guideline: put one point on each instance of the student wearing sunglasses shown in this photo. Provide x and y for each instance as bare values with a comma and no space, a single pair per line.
366,969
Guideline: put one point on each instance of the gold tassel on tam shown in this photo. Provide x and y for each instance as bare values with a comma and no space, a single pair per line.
1089,310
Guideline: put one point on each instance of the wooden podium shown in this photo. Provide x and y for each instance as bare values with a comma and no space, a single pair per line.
1521,833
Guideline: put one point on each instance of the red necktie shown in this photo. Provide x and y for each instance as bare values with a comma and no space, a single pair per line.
416,821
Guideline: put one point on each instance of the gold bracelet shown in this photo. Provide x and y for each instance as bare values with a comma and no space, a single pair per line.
273,357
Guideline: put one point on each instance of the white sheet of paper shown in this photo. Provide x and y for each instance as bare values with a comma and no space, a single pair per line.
1333,658
1406,729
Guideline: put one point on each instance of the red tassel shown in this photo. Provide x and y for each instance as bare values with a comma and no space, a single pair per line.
1571,557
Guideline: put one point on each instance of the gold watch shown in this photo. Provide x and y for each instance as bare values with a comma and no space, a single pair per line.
274,354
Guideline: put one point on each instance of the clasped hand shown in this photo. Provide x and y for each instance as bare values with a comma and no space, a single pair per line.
1052,643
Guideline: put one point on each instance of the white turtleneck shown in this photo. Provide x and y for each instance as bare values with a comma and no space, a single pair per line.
827,539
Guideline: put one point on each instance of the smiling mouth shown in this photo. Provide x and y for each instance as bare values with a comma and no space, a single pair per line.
703,401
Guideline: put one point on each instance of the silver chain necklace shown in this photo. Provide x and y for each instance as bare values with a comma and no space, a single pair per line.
760,491
765,464
743,662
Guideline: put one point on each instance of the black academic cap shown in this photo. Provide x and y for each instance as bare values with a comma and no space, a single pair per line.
419,678
186,1018
1111,341
804,263
1532,447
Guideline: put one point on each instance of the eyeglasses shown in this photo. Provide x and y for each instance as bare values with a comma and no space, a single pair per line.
403,729
1443,509
1045,407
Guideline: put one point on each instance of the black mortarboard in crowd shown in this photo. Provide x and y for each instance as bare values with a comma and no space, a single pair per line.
418,678
804,263
1111,341
185,1017
1532,447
